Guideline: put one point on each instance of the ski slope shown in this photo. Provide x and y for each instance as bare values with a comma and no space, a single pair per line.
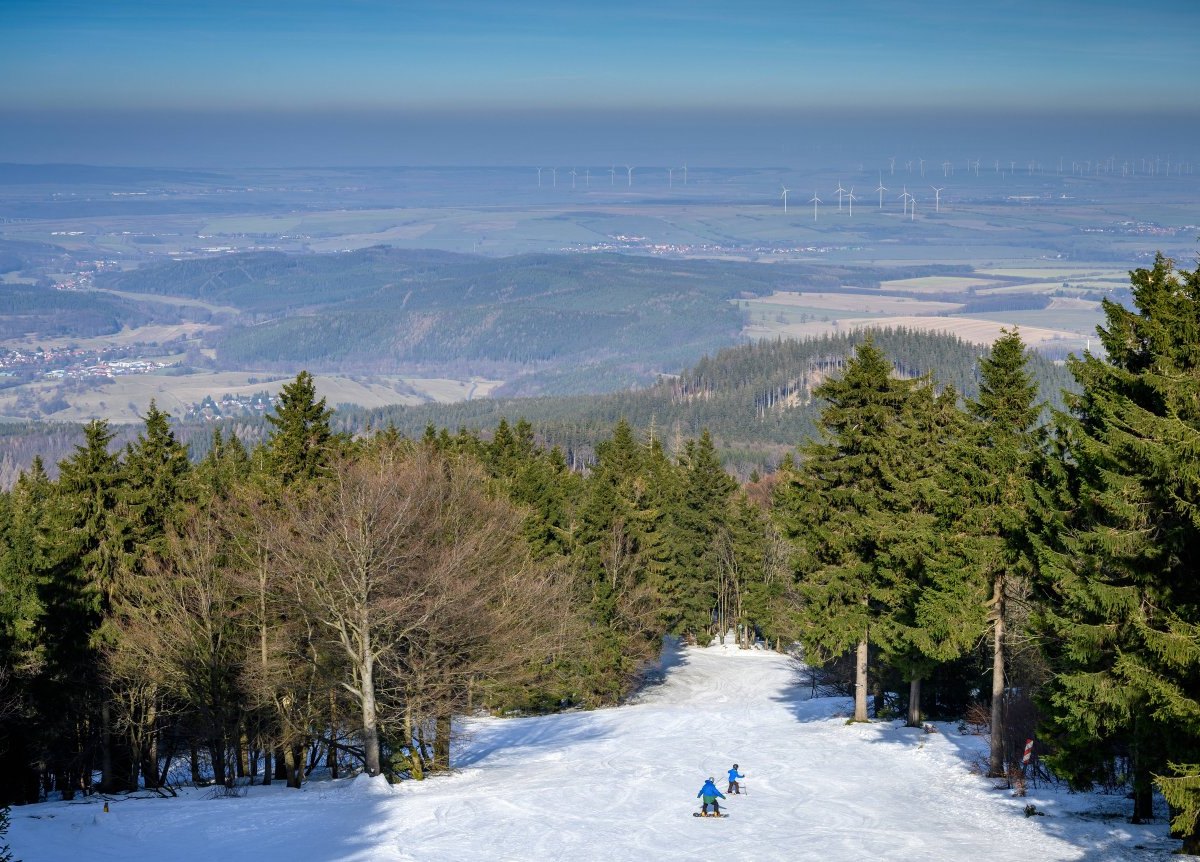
620,784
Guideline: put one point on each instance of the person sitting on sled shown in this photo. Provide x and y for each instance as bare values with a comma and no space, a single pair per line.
709,794
734,775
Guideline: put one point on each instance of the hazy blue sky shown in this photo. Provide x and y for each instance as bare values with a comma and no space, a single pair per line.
67,65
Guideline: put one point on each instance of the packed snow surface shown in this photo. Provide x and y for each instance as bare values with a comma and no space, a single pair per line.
621,784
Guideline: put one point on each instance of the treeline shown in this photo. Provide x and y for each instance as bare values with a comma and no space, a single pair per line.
756,400
920,531
323,601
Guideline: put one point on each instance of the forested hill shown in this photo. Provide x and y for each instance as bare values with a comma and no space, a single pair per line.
532,319
754,399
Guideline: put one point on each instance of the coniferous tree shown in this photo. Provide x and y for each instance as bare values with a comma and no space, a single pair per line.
85,543
299,447
701,587
925,623
1005,451
620,552
844,508
1117,558
23,514
5,851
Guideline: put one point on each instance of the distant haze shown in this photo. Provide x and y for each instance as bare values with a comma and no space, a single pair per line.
792,138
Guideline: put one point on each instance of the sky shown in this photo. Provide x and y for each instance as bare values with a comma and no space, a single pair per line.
169,71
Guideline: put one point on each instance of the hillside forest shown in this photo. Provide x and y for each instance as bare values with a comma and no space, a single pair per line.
325,600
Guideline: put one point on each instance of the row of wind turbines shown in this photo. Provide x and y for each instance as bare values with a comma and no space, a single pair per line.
1153,166
847,197
613,171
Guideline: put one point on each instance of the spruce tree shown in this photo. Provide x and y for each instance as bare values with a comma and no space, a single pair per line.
85,541
701,544
844,509
299,446
1118,557
1006,449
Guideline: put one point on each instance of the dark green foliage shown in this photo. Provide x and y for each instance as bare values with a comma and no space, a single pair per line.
1117,550
25,309
299,447
845,507
5,850
756,400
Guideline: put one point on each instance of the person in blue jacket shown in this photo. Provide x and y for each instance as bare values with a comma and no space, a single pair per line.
709,793
734,775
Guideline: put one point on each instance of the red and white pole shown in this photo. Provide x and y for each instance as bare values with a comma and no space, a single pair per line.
1028,752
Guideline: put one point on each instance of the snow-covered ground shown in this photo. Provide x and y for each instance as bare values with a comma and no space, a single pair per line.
620,784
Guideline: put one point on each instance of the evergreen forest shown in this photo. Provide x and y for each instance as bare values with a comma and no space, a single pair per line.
975,547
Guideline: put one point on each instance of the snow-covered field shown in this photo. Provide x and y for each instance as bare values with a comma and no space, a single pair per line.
620,784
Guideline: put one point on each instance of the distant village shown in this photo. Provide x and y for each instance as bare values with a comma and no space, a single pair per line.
73,363
230,407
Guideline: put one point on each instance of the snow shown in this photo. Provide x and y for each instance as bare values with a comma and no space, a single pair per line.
621,784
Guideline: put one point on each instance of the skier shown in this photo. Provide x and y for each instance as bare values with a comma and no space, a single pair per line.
709,794
734,775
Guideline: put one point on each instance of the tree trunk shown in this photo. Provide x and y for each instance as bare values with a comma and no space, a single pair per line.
416,763
996,757
281,772
216,748
194,762
914,702
370,721
332,760
294,764
860,682
441,742
243,750
268,766
108,782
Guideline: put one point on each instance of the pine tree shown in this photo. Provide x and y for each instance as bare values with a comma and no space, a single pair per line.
1005,451
5,851
299,446
844,509
85,539
927,619
698,586
1118,558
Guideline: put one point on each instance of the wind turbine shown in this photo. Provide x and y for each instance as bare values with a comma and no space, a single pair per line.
587,177
937,198
839,191
784,196
670,177
554,178
922,167
946,169
629,171
685,175
815,200
881,190
612,176
906,197
892,159
850,197
539,177
573,175
912,212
